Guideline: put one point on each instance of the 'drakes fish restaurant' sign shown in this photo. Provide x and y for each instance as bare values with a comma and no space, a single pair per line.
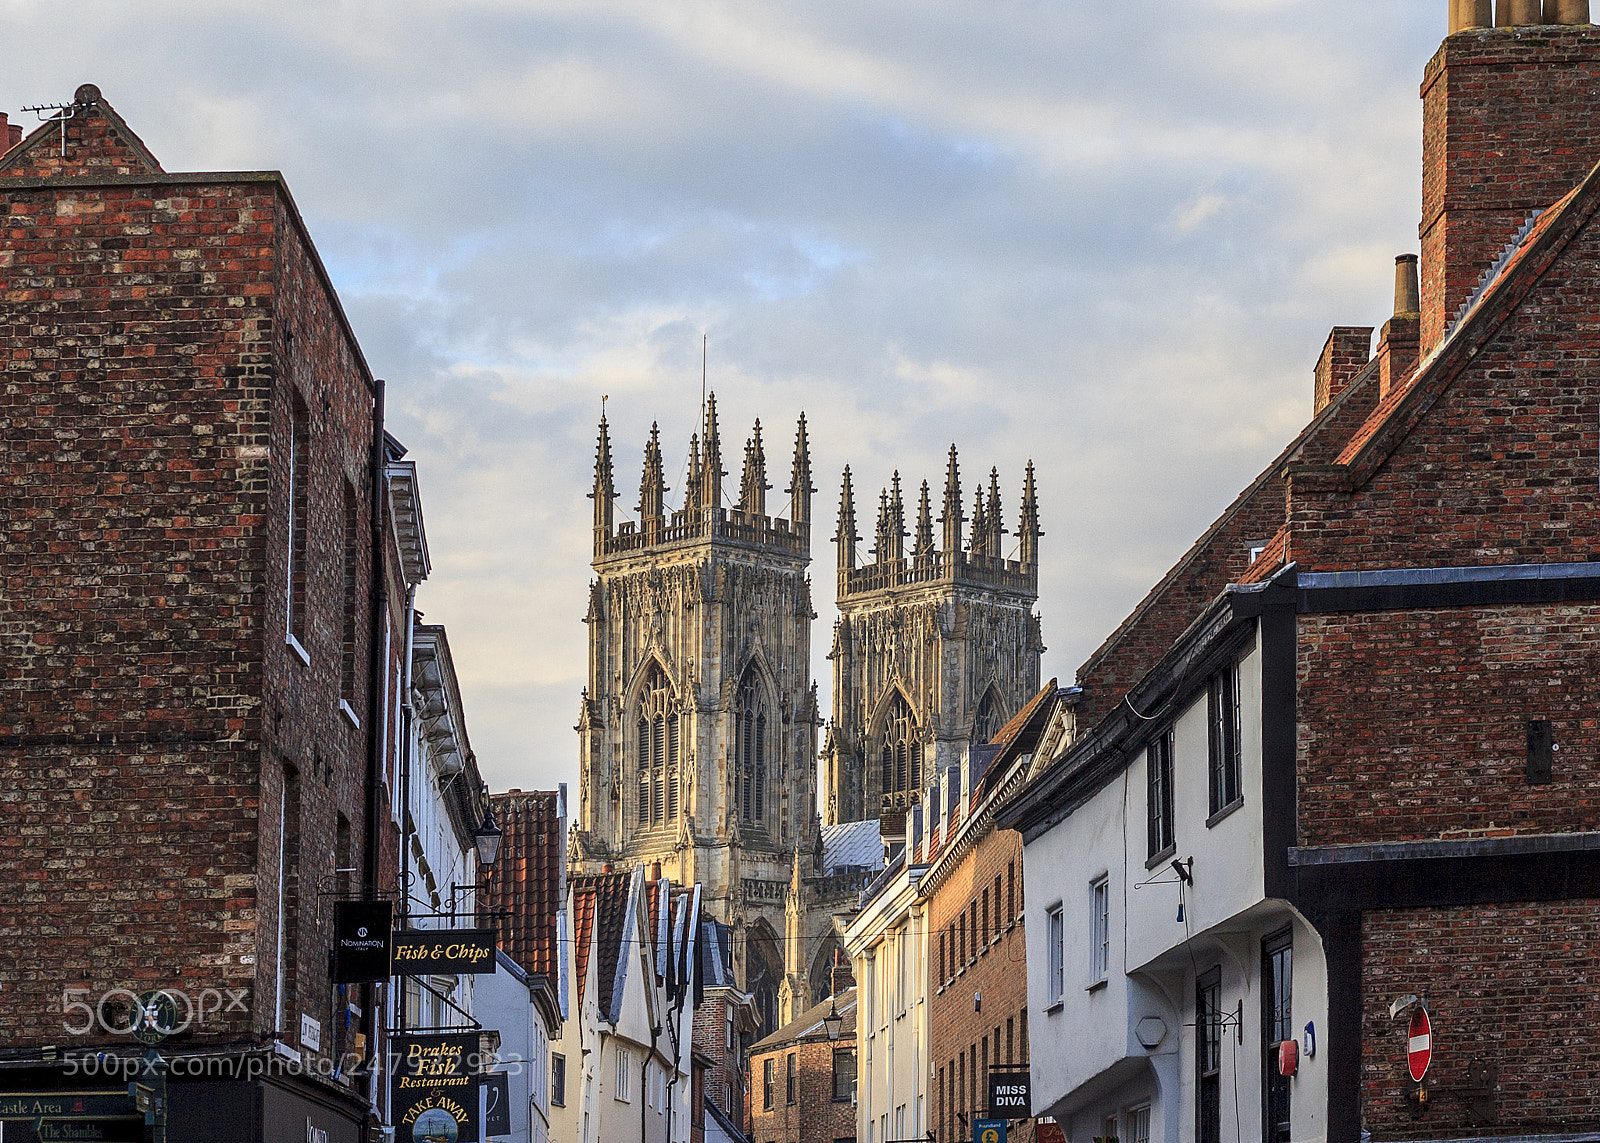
435,1088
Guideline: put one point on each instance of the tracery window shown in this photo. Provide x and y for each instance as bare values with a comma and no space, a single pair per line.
750,749
657,733
900,754
989,720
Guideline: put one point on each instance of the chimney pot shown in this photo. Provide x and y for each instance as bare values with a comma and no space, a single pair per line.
1407,290
1518,13
1468,14
655,871
1566,11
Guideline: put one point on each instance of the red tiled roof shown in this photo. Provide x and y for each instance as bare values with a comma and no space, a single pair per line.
526,881
1272,558
600,911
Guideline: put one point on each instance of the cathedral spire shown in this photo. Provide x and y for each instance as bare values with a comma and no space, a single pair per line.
1028,528
753,484
980,525
711,473
846,536
897,521
800,489
952,507
604,485
924,545
691,488
881,545
652,485
997,523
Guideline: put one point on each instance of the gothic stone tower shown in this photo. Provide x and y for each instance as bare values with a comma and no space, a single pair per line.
934,648
698,729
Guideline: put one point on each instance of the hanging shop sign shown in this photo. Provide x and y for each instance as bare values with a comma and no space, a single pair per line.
1010,1095
497,1104
435,1088
988,1131
361,941
423,952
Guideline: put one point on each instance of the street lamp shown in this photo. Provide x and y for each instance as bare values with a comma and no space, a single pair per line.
833,1022
488,838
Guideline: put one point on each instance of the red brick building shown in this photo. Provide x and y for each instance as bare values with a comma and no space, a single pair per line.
1404,610
802,1082
977,956
192,454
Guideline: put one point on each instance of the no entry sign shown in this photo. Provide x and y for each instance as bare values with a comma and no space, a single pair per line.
1419,1043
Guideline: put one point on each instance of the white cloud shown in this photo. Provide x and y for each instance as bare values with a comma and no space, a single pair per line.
1110,240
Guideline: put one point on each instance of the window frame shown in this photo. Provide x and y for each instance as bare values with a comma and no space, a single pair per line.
1099,930
768,1083
791,1079
850,1095
1055,955
1161,839
622,1089
1224,750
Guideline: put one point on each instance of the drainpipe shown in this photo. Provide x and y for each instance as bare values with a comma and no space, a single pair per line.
379,603
405,773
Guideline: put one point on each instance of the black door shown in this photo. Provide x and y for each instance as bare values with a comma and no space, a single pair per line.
1277,1025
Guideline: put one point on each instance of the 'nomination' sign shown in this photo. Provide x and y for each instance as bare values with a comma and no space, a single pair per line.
1010,1095
361,940
423,952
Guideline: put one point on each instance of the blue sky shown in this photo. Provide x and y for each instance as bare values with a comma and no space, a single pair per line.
1106,238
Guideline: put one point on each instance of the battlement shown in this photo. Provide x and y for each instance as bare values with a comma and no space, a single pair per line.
700,526
942,568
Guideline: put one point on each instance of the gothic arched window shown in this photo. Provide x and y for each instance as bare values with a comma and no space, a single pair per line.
900,753
656,729
750,750
989,720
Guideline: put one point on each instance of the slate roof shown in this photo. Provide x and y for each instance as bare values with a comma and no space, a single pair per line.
852,843
808,1025
527,880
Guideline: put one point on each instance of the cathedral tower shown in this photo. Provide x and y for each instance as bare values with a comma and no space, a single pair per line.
698,728
934,648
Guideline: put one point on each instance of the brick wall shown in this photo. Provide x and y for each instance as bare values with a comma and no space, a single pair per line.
1510,124
815,1116
149,703
1502,469
1520,984
1413,724
997,970
725,1079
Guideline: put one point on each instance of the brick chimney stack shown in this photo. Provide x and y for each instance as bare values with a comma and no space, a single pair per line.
1511,122
1343,356
10,134
1399,343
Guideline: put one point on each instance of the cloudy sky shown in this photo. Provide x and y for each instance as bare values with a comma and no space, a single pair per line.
1111,237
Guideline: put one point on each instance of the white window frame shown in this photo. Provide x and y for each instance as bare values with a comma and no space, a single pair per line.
623,1088
1099,929
1055,963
